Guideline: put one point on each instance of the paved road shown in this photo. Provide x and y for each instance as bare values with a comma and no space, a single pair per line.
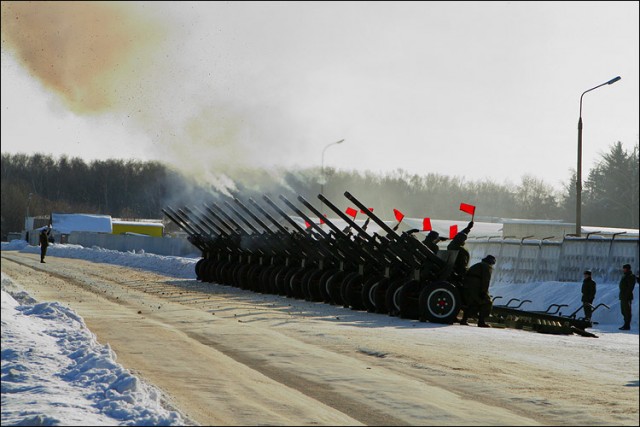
224,356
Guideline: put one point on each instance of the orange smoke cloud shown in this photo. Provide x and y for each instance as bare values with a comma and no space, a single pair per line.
86,52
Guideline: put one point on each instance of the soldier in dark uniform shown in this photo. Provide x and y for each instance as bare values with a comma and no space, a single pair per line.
457,244
627,283
431,241
588,294
476,291
44,242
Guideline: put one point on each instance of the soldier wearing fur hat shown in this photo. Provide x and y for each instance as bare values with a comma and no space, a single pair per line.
476,291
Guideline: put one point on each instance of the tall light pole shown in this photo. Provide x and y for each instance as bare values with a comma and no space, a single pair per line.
26,218
322,178
579,168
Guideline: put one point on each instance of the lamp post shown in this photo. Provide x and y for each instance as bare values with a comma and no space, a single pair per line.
322,178
579,168
26,218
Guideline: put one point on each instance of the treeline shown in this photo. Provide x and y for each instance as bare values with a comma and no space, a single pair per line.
40,184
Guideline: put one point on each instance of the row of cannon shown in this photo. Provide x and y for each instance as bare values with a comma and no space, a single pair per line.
262,248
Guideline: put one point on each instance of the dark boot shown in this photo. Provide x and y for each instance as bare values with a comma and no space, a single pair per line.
482,323
625,327
464,319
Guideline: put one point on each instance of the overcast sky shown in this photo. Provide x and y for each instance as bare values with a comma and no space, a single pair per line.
480,90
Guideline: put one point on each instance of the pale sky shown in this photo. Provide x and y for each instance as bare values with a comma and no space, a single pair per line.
480,90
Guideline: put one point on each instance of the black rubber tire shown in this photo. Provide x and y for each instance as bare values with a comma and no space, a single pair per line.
343,287
218,275
240,274
204,270
233,275
273,286
391,296
322,293
198,268
212,269
440,302
228,272
353,292
408,299
287,281
333,285
281,284
253,277
313,286
306,294
243,276
380,295
367,291
295,283
262,282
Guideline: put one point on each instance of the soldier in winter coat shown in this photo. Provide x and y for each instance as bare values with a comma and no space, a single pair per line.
588,294
627,283
431,241
463,257
44,242
476,291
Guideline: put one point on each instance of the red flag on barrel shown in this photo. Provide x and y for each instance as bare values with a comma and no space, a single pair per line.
399,215
307,224
322,220
351,212
426,224
371,209
470,209
453,230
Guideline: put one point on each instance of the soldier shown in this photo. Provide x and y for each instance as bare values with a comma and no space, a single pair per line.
476,291
627,283
588,294
432,239
44,242
457,244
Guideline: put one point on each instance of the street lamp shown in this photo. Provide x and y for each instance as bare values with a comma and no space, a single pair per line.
322,177
579,169
26,218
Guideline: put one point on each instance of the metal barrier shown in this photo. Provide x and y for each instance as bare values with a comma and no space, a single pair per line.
541,260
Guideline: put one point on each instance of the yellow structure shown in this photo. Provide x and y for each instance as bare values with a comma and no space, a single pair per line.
153,229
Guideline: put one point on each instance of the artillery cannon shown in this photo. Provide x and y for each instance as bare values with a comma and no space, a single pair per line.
392,272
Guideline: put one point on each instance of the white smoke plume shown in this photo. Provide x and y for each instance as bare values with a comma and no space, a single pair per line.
132,63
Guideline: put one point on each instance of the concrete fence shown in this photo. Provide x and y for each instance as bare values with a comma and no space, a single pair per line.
523,261
169,246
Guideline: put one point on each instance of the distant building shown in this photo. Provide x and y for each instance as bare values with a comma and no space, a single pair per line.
63,224
148,228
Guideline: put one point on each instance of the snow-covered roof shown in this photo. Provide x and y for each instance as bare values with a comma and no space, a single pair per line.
67,223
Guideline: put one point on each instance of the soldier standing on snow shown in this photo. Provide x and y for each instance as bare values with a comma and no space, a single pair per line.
627,283
44,243
476,291
588,294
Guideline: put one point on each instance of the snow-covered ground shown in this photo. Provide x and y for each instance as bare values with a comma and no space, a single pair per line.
54,372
